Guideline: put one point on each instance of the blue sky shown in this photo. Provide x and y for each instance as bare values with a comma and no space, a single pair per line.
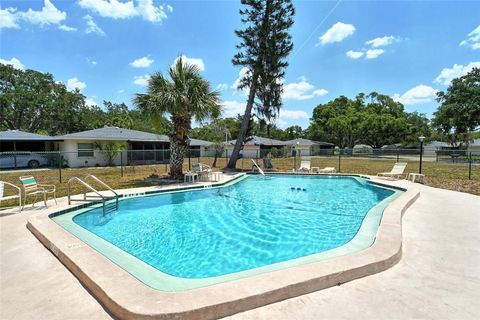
405,49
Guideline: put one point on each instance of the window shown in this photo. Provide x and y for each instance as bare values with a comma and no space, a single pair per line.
85,149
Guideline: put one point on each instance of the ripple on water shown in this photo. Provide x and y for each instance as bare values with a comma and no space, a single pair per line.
252,223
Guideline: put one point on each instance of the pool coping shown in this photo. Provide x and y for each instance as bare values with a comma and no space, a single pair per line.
126,297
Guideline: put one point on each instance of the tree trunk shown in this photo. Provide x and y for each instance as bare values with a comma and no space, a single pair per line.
232,163
178,146
177,154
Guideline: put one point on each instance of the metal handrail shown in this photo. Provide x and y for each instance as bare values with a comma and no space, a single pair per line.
86,185
259,169
103,184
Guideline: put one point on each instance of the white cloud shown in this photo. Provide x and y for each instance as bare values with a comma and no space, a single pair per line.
141,80
232,107
195,61
473,40
151,13
48,15
67,28
242,73
337,33
382,41
458,70
92,26
111,9
74,83
14,62
221,87
286,117
91,102
124,10
301,90
354,54
8,19
91,61
373,53
418,94
144,62
320,92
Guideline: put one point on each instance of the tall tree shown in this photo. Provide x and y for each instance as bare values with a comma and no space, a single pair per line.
186,96
294,132
264,45
459,114
34,101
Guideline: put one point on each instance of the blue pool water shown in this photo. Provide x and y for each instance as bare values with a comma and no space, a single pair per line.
252,223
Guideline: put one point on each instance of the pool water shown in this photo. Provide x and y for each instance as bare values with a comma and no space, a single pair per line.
252,223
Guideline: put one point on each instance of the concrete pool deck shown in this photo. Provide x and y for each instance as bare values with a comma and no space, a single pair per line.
437,277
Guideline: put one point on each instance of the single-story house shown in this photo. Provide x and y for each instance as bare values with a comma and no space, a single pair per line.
474,147
81,148
306,147
256,147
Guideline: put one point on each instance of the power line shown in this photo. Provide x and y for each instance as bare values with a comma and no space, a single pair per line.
316,28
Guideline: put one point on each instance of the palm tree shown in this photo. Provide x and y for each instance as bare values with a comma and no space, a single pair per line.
186,96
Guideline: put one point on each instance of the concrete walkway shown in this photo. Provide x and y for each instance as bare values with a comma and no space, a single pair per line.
437,278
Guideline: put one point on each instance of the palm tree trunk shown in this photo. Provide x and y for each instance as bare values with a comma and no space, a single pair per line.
178,146
177,154
232,163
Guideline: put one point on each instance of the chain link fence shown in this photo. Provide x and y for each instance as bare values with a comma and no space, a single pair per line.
451,169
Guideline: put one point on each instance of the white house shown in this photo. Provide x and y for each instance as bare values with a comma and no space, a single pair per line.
258,147
81,148
306,147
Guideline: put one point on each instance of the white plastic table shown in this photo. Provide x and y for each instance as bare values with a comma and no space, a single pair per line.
190,177
217,175
413,177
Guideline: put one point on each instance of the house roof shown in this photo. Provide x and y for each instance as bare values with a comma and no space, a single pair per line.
16,135
307,142
115,134
437,144
198,142
261,141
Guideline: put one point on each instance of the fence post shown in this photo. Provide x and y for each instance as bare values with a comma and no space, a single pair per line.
339,158
189,161
398,154
60,161
121,163
470,167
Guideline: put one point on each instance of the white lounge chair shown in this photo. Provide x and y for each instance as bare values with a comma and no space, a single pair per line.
397,171
327,170
304,165
3,197
202,170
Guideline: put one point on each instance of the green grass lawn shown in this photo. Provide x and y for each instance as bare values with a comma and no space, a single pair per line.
438,174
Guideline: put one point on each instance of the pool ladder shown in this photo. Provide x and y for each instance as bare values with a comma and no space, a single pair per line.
98,197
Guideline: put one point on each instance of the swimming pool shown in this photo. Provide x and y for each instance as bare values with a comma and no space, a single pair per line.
182,240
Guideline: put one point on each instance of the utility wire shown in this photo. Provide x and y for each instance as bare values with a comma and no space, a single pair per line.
316,28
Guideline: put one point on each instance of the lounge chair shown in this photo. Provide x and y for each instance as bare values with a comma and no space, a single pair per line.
327,170
396,172
3,197
32,188
202,170
304,165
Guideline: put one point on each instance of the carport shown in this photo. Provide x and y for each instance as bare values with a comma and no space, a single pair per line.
15,143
